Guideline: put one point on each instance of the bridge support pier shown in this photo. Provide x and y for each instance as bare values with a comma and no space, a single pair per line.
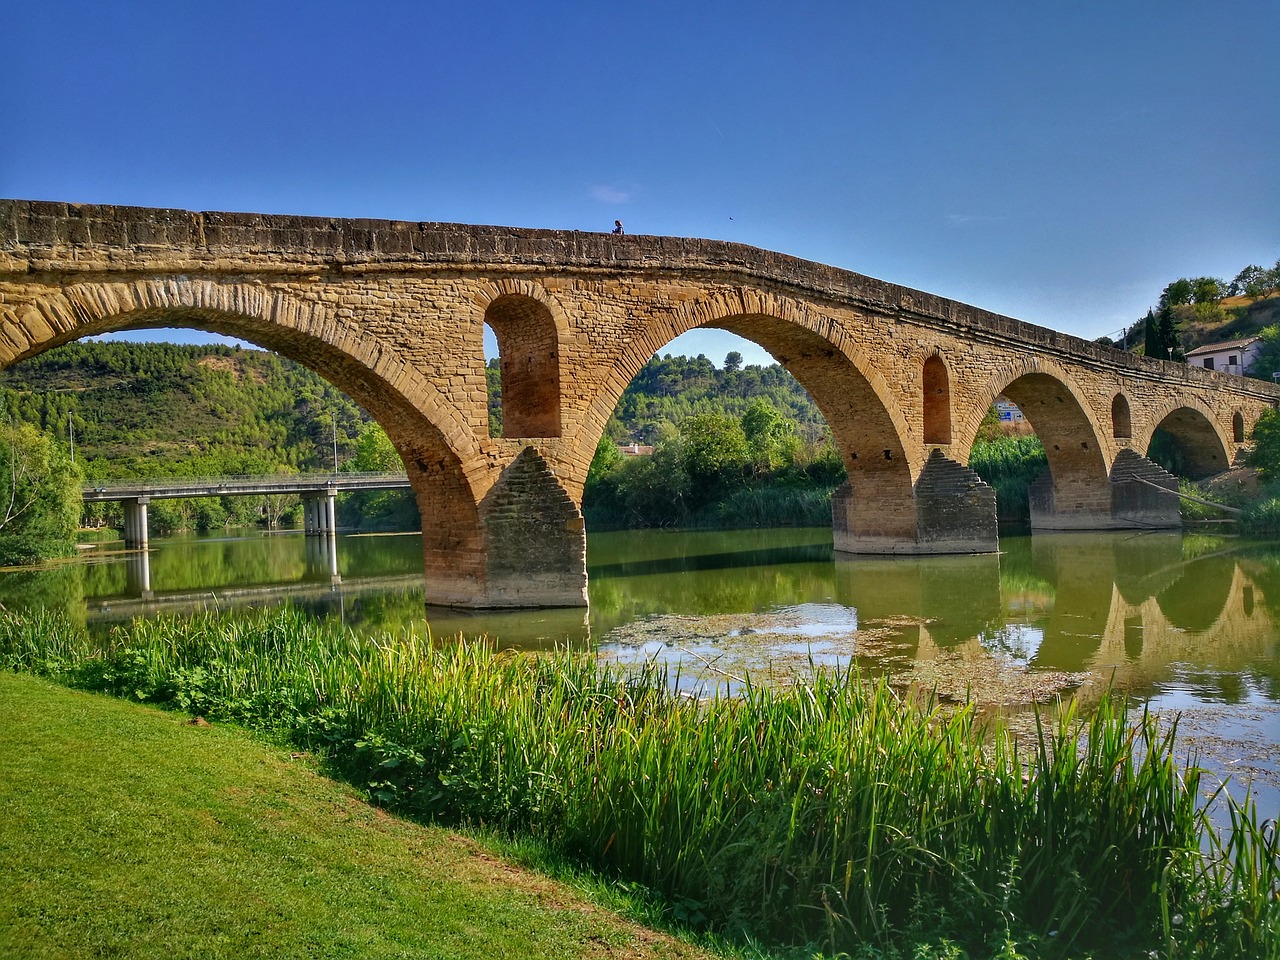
535,539
319,514
950,510
1134,497
135,522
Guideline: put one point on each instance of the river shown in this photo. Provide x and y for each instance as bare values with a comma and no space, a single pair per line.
1185,623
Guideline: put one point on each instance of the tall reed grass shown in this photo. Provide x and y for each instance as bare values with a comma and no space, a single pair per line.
831,812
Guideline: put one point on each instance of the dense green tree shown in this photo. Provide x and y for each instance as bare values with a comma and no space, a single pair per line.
771,437
1207,290
377,509
715,450
1267,362
39,496
1266,445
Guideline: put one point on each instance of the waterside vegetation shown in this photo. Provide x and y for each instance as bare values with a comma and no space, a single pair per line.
129,832
831,812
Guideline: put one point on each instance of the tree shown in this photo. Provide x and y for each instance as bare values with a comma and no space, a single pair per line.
1266,445
1153,338
715,451
1207,290
771,439
1177,293
1266,364
40,496
732,361
606,460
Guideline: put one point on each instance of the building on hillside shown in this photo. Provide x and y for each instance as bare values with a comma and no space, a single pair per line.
1227,356
635,449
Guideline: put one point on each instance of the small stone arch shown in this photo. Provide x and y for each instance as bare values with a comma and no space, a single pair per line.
936,385
529,354
1074,493
1121,421
1198,447
1237,427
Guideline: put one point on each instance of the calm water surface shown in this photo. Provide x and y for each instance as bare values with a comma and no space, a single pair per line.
1185,622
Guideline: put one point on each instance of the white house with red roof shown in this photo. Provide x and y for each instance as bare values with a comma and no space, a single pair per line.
1227,356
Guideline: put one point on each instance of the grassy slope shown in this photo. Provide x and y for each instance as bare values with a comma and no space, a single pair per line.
129,833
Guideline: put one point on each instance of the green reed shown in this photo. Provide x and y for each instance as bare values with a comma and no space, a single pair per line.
831,811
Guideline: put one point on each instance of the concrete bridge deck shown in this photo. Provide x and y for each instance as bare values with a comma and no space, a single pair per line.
394,314
317,490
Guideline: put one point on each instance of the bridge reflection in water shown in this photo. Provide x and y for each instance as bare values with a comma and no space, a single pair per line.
1144,611
321,558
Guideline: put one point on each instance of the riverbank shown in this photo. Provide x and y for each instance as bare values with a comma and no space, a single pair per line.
833,812
131,832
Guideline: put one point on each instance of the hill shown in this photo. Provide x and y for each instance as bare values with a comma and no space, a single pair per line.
160,409
1238,317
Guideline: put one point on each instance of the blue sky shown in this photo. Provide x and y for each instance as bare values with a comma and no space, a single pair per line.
1057,162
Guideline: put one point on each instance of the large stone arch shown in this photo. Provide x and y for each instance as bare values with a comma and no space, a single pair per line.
447,471
1202,442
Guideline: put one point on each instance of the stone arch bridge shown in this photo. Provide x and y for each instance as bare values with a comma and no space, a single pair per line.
393,314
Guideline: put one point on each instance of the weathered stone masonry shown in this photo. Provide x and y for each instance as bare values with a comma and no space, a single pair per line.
393,314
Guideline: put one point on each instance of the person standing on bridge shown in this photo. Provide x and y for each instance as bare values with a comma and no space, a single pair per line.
617,227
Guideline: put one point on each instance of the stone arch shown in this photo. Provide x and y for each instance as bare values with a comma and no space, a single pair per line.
868,426
440,454
530,328
1075,491
937,401
1121,421
1237,427
1200,447
1199,598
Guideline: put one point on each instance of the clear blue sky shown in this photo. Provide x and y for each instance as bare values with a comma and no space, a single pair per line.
1057,162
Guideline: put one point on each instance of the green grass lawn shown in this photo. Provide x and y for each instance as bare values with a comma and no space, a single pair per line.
127,832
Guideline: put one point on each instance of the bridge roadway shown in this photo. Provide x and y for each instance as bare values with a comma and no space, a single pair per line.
394,314
318,491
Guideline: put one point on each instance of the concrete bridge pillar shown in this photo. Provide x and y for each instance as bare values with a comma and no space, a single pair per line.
135,522
319,514
950,510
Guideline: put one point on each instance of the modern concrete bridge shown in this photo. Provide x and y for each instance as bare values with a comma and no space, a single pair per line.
393,314
318,492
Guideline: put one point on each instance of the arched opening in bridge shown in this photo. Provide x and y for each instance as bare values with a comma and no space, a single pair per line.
1051,470
1186,444
527,367
1121,427
937,401
1237,427
216,410
158,409
768,449
696,443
